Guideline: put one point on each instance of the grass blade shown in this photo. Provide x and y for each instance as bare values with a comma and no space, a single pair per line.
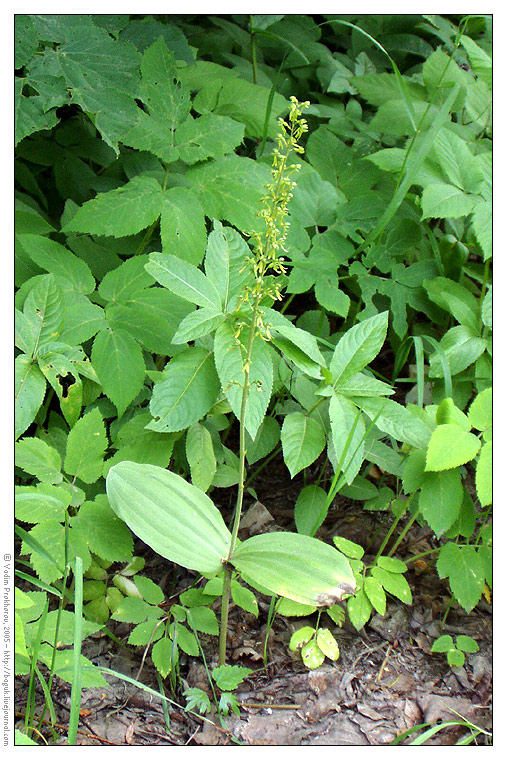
75,696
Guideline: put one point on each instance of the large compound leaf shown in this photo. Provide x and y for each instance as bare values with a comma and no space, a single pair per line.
296,567
230,361
209,136
172,516
123,211
118,361
29,113
187,391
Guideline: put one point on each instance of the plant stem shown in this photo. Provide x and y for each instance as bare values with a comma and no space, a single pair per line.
224,616
253,51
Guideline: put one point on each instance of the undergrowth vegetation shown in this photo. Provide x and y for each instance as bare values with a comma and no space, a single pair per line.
240,238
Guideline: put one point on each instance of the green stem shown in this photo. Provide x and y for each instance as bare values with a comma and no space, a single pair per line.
224,616
253,51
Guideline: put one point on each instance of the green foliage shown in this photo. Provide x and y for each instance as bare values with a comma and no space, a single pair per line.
157,224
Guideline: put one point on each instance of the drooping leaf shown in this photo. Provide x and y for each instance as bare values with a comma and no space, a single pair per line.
187,391
86,444
295,566
118,361
175,518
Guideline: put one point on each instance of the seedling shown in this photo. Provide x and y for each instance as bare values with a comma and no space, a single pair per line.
455,649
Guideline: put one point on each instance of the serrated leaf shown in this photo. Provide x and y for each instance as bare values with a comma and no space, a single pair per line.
151,317
312,655
187,391
360,384
149,590
231,188
182,225
462,347
450,446
375,594
225,263
467,644
118,361
146,632
482,225
310,510
197,324
440,499
484,474
448,413
331,297
441,200
106,535
480,412
29,389
394,583
38,458
244,598
464,568
442,644
456,299
183,279
396,420
347,435
162,656
358,347
359,608
173,517
81,319
125,281
200,456
391,564
303,440
229,361
208,136
203,619
62,660
34,504
86,444
125,210
29,113
295,566
43,309
70,272
229,677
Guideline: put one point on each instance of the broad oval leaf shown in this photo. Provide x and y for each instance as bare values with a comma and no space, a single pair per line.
296,567
118,361
172,516
450,446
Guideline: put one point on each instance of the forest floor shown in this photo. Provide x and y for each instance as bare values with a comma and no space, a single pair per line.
385,681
